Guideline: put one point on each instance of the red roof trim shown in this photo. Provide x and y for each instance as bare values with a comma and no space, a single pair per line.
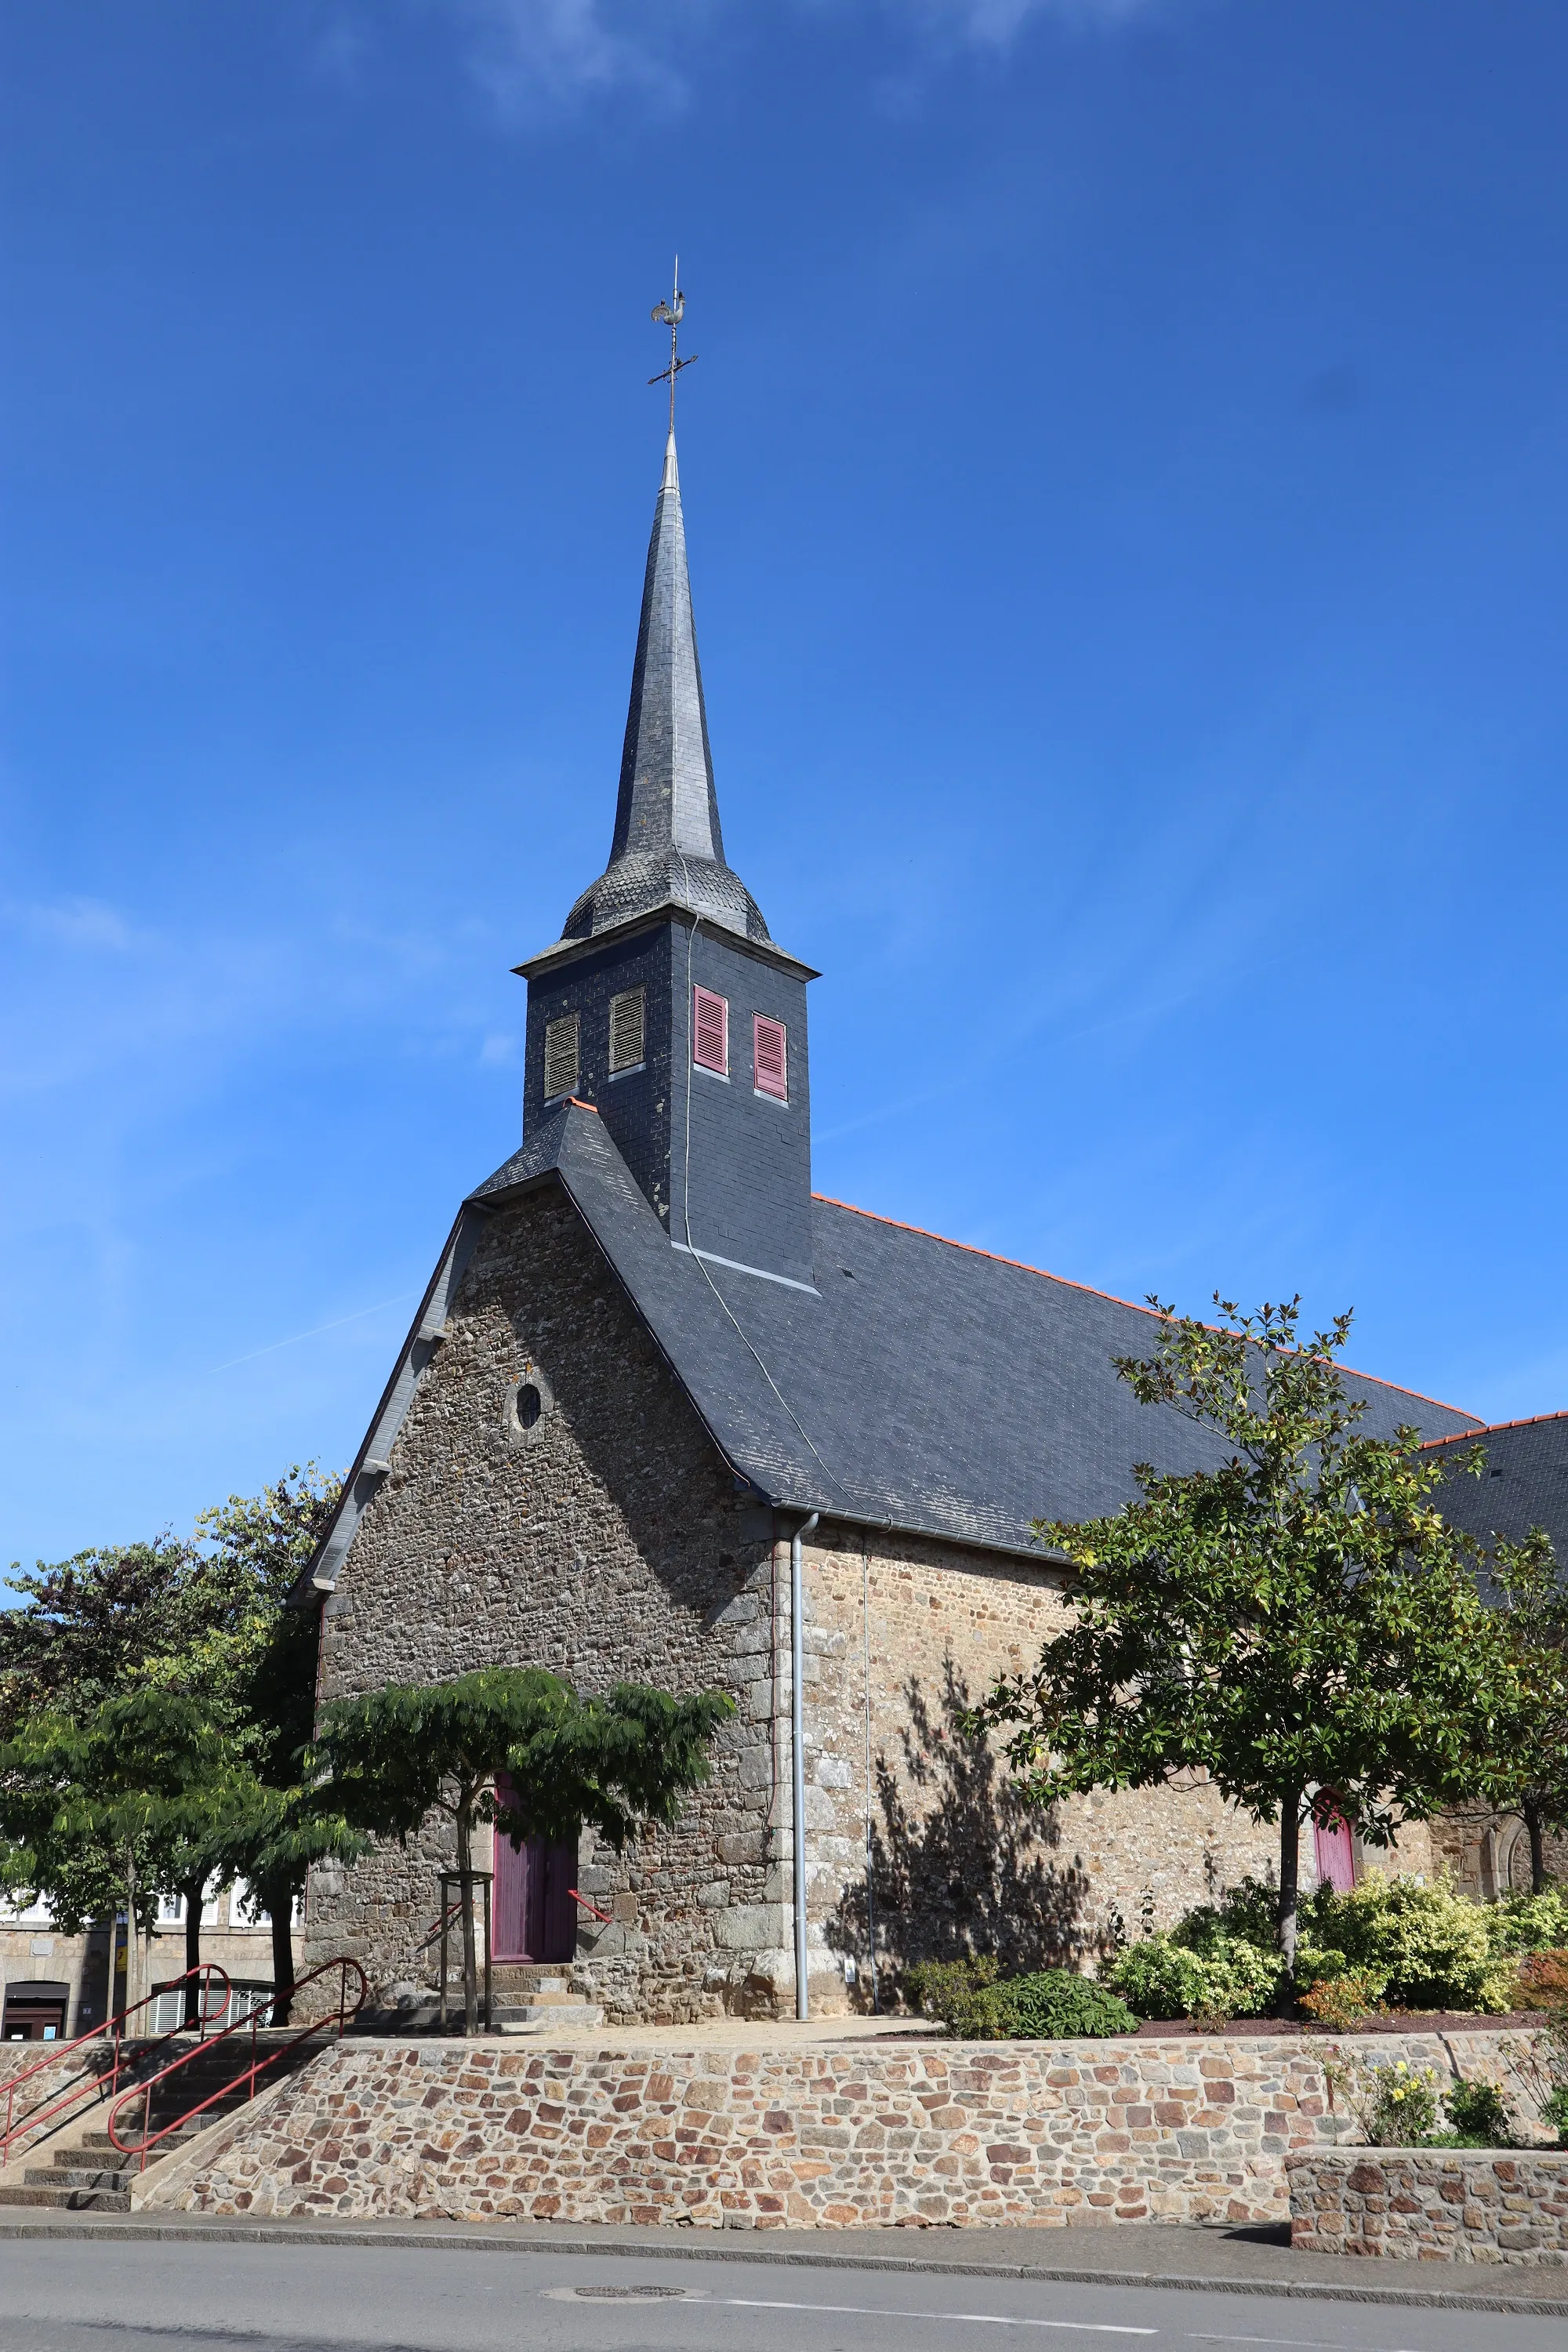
1491,1428
577,1103
1087,1287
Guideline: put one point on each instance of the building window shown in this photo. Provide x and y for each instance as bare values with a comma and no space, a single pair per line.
561,1057
770,1058
711,1031
530,1404
625,1032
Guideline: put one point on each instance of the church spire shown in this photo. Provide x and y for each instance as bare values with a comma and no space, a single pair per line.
667,848
666,796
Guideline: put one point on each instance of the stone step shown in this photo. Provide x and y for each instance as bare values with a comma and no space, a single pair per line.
74,2176
538,2016
70,2201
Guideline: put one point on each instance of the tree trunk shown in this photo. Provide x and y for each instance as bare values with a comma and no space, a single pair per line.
1290,1897
466,1893
193,1898
1535,1823
132,1995
279,1902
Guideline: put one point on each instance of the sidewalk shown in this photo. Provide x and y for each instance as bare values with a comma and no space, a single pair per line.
1234,2262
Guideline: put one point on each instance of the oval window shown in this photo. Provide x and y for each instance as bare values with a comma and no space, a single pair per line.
530,1404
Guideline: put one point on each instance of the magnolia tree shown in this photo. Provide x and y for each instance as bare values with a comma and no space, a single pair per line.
619,1764
1293,1619
1524,1769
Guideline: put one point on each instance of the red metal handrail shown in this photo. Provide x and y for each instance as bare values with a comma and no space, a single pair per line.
583,1899
247,2074
107,2082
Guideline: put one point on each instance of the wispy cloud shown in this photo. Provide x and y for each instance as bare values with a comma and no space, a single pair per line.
86,926
530,57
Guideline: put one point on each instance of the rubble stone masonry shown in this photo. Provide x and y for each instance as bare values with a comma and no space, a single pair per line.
1461,2205
916,2133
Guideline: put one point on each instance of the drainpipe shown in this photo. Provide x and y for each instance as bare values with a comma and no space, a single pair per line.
797,1753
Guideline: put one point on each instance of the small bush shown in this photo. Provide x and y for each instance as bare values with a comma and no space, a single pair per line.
947,1989
1164,1977
1529,1923
1479,2114
1052,2005
1340,2001
1554,2111
1432,1943
1400,2110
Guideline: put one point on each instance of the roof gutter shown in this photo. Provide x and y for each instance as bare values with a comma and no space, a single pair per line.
797,1753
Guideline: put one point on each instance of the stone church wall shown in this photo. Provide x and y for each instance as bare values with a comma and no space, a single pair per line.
901,1635
604,1542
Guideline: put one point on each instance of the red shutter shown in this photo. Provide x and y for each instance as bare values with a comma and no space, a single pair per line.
710,1031
769,1058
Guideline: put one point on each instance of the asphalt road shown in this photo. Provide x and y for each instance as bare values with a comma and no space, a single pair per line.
185,2296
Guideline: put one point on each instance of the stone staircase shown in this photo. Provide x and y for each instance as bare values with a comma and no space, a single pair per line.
529,2000
79,2169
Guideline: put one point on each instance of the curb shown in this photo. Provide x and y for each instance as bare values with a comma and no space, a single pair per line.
468,2242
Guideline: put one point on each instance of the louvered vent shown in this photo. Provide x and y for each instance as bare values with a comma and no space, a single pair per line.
770,1049
711,1031
625,1031
561,1057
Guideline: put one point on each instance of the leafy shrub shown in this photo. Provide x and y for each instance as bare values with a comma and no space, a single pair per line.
949,1989
1164,1976
1529,1923
1554,2111
1342,2000
1479,2114
1051,2005
1400,2110
1432,1943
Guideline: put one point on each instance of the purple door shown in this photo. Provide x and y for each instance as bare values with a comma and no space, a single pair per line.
1334,1854
535,1915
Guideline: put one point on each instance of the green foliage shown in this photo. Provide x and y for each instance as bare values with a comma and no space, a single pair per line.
1554,2111
1295,1616
1048,2005
1529,1923
1431,1945
1521,1755
1478,2115
1224,1977
1400,2107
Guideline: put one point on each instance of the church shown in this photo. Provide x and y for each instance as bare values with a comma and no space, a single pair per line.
665,1415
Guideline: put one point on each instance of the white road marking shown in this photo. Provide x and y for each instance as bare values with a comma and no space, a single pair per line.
1305,2343
945,2318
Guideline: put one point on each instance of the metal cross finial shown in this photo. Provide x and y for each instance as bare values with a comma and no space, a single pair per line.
670,314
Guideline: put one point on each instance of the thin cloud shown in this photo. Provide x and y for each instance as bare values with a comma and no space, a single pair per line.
86,926
531,56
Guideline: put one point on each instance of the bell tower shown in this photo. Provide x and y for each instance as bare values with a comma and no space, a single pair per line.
665,1003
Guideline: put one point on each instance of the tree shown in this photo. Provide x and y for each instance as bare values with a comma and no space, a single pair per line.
1296,1620
265,1661
1523,1767
208,1617
621,1763
149,1778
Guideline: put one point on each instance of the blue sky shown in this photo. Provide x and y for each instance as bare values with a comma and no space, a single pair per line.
1125,485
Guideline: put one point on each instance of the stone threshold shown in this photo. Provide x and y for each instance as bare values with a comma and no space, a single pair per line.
1205,2259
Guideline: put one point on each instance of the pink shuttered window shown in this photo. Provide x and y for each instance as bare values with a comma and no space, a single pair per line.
711,1031
770,1058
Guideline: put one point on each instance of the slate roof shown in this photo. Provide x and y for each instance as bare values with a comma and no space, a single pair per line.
922,1386
1525,1486
666,848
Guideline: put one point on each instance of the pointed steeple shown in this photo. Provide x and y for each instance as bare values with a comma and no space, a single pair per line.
667,848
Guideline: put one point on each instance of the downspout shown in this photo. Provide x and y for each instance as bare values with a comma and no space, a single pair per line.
797,1755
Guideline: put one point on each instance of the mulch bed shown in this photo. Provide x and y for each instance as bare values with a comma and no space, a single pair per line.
1432,2021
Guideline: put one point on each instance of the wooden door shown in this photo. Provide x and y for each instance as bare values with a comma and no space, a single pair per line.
1332,1850
535,1913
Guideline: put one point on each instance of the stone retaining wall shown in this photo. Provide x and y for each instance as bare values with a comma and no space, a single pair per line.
1465,2205
916,2132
